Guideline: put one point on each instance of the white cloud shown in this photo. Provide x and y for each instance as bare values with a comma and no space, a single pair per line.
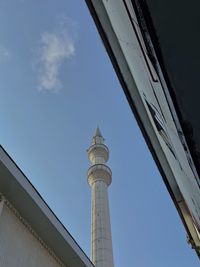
4,52
55,48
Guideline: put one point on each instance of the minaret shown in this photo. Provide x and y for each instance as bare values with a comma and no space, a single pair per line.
99,178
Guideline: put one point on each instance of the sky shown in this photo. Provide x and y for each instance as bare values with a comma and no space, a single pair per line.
56,85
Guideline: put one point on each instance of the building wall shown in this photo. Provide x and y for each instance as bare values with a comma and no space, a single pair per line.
19,247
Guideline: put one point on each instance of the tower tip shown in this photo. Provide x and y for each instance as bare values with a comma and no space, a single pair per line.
97,138
98,132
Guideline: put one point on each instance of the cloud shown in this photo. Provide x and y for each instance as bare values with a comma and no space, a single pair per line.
55,48
4,53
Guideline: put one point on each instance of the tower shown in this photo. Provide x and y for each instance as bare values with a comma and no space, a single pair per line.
99,178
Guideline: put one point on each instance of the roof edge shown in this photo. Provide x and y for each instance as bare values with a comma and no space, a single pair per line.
19,191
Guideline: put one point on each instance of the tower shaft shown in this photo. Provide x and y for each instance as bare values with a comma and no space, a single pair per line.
99,178
101,241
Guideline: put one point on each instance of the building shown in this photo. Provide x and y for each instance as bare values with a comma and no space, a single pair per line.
30,233
99,178
154,49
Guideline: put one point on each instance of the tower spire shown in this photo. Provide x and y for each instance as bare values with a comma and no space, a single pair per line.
97,138
98,132
99,178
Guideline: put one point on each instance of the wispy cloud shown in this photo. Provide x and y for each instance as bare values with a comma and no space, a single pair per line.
55,48
4,52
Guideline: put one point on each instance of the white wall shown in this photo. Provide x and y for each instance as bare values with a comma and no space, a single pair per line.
18,246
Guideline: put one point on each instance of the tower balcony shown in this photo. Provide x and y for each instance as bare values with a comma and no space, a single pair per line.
99,172
98,151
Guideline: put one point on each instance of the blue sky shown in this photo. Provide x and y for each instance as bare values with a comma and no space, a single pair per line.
57,85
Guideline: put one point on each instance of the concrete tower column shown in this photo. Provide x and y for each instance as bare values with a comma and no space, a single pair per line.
99,178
